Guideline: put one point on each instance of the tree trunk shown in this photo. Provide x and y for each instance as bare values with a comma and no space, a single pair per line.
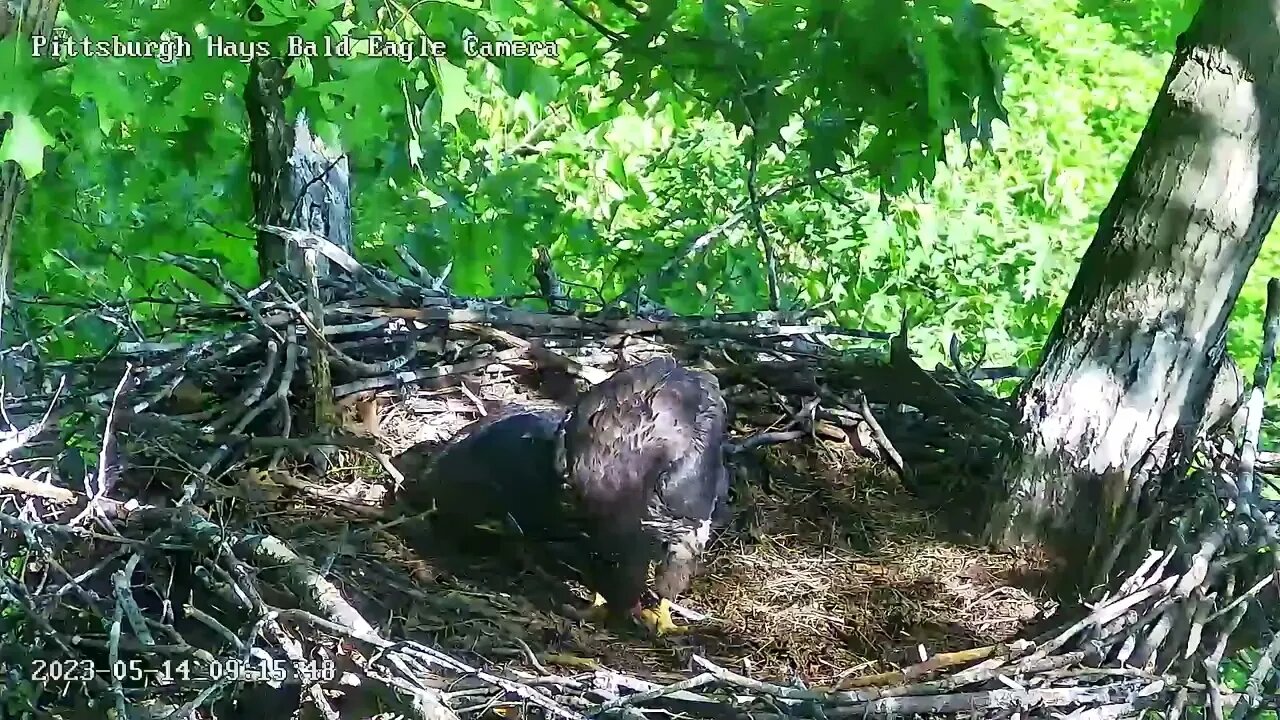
1122,384
270,139
298,184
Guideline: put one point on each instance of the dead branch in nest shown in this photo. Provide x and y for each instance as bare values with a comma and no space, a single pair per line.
242,605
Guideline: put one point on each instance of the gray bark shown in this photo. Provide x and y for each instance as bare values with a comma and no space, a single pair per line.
1129,365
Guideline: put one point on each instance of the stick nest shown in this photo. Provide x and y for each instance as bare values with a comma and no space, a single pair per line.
202,558
828,567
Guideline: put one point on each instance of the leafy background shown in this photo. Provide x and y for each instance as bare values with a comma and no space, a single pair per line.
648,148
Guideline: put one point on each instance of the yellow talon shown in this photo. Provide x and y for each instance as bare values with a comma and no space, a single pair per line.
598,613
659,620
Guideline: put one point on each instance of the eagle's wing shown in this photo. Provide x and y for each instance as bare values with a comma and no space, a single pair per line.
690,409
607,447
690,415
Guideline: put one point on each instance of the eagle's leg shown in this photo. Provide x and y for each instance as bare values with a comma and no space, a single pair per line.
623,581
658,620
612,576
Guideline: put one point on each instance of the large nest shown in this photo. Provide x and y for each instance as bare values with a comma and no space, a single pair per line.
828,568
205,557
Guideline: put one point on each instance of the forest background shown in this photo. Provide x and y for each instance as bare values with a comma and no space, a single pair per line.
147,159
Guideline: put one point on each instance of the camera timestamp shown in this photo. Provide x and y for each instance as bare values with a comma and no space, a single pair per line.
271,669
169,671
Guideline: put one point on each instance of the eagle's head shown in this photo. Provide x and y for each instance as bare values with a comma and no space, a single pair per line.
685,539
681,561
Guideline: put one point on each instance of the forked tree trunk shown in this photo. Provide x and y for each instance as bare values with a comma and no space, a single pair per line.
1129,364
298,184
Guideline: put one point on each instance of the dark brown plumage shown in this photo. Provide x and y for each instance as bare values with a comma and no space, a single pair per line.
497,469
642,455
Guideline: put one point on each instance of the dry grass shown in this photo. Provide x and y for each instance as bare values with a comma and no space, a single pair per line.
827,570
834,569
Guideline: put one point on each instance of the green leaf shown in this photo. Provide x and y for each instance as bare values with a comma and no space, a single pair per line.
716,19
455,95
26,140
302,71
504,10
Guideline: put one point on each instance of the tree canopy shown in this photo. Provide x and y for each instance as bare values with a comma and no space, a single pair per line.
651,128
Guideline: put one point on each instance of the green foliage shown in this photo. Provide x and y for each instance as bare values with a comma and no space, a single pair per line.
635,139
149,155
870,124
1235,672
885,97
20,694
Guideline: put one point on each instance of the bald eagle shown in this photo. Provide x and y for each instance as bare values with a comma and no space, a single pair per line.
642,458
499,470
